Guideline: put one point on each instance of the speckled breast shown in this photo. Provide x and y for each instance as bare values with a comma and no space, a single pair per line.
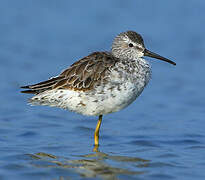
125,83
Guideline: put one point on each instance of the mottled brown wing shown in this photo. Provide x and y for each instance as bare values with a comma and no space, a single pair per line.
42,86
83,75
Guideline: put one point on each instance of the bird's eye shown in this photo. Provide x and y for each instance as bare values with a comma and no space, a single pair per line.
131,45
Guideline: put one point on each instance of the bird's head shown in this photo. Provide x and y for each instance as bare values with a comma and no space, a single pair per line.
130,45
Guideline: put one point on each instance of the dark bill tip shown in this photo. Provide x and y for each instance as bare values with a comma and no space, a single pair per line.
157,56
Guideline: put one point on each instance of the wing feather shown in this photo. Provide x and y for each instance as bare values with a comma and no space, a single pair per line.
83,75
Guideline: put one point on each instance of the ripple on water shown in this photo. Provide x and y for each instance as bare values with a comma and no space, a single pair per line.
197,147
181,142
158,176
168,155
28,134
145,143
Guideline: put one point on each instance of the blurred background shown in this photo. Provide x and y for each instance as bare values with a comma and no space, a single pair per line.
160,136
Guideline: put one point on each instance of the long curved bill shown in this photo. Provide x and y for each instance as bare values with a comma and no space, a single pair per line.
157,56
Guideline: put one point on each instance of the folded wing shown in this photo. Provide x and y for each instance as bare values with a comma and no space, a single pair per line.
83,75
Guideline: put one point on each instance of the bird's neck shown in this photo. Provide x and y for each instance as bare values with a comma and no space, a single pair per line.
142,61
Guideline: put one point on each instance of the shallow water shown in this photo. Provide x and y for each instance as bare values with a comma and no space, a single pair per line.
160,136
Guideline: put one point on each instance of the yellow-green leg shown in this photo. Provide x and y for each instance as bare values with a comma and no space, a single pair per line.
96,135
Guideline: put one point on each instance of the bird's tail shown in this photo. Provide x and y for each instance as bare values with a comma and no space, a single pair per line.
42,86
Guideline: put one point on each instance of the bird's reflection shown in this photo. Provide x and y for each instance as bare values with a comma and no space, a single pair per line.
91,165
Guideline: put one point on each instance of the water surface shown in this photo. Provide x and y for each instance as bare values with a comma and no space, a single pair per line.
160,136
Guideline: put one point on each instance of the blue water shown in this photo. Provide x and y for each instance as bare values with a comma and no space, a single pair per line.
160,136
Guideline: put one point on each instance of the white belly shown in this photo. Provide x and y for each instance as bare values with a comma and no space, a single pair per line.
89,103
